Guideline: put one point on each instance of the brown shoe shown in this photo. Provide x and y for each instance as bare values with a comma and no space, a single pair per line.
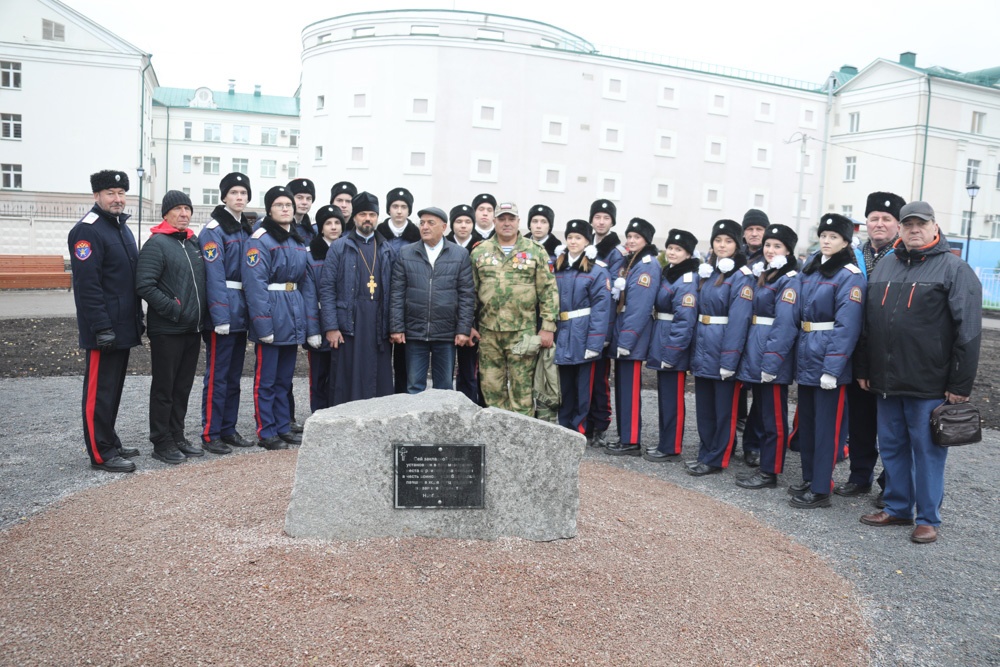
885,519
924,534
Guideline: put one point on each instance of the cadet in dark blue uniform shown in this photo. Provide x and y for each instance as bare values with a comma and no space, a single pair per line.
464,234
304,192
274,279
342,196
540,221
673,335
103,255
610,251
725,304
584,308
768,362
330,223
754,223
637,287
223,246
398,231
832,299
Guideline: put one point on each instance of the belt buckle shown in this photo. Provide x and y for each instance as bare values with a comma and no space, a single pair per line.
705,319
807,327
289,287
563,316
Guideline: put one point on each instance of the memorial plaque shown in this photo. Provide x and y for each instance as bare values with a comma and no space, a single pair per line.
439,476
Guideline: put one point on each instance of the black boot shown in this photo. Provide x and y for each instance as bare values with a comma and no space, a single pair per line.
758,480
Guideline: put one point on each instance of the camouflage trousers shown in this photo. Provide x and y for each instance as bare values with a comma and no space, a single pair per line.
506,378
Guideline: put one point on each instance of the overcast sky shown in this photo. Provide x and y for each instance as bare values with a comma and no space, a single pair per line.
192,41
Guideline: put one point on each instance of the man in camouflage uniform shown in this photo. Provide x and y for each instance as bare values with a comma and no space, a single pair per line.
512,278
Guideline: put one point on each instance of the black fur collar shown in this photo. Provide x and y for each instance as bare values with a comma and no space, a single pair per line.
410,232
836,262
609,243
228,222
674,272
474,238
318,248
278,232
306,224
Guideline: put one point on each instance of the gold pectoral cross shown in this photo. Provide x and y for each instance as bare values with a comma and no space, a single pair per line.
371,286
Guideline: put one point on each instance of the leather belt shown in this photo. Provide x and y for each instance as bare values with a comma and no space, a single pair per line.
708,319
666,317
573,314
233,284
817,326
282,287
766,321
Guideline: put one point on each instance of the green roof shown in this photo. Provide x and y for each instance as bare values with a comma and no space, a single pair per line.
243,102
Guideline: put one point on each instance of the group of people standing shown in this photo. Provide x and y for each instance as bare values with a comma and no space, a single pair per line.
874,337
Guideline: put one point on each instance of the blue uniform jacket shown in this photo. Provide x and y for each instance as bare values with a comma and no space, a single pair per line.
103,256
223,245
634,324
610,256
275,256
582,285
771,348
718,346
677,295
305,229
318,250
831,292
339,287
411,234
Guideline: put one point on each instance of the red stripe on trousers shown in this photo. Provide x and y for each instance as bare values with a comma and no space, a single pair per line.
256,389
679,435
795,427
636,399
88,416
836,430
732,423
780,444
211,388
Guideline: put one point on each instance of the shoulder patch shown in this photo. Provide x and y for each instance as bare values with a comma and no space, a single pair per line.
855,294
746,270
746,293
253,257
688,277
212,224
260,232
644,279
792,274
211,251
90,218
853,269
788,296
688,301
82,250
646,259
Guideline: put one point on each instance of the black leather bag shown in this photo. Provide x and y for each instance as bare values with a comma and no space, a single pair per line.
956,424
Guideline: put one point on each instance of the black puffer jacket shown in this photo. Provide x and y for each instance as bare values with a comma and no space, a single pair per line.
923,324
170,278
432,304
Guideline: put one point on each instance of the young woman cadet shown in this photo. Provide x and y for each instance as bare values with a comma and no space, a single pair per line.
330,225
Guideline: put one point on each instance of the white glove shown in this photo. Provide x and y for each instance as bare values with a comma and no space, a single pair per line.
766,377
778,261
758,268
725,373
314,342
665,366
590,251
560,249
705,269
222,329
590,354
267,339
828,381
725,265
622,352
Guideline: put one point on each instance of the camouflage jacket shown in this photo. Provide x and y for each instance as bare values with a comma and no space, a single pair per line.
509,287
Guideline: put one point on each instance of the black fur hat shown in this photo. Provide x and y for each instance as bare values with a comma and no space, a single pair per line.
274,193
884,201
364,201
730,228
581,227
108,179
460,211
342,188
544,211
783,233
302,186
399,194
484,198
641,227
834,222
328,212
231,180
682,238
604,206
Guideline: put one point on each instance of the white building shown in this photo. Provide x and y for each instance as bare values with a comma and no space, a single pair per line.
200,135
454,103
74,99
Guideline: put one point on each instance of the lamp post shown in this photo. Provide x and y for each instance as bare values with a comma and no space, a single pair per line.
973,190
141,172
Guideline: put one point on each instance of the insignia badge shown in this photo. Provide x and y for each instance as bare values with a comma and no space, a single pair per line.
118,177
856,294
688,301
788,296
644,280
239,178
211,251
604,205
82,250
746,293
253,256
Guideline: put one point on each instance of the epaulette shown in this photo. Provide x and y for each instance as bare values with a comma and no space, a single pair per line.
213,223
645,259
852,268
746,270
260,232
622,249
90,218
601,263
791,273
688,277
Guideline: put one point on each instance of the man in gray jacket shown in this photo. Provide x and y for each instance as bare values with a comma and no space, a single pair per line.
432,303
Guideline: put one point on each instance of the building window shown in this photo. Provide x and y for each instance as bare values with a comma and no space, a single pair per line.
268,136
614,88
293,170
998,179
552,177
486,114
241,164
11,124
854,121
711,196
609,186
555,129
484,167
662,192
850,168
665,143
241,134
187,130
211,166
186,164
318,154
715,149
805,162
368,31
10,74
807,116
765,110
53,32
360,101
323,39
268,168
421,108
209,196
972,172
320,102
486,33
761,155
995,228
418,159
667,96
978,121
612,137
719,103
425,30
293,138
11,176
847,210
357,154
186,191
966,223
758,199
213,132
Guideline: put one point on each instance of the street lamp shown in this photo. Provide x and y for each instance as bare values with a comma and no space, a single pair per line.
973,190
141,172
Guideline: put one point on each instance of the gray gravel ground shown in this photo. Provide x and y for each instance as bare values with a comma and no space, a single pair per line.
930,604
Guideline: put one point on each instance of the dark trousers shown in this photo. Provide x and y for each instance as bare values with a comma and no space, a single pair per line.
716,410
771,401
862,433
599,417
272,380
628,402
174,359
399,368
103,380
753,428
822,432
319,379
220,396
576,383
467,376
670,390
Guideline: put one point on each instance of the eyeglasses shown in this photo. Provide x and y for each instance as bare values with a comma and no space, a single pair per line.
282,206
